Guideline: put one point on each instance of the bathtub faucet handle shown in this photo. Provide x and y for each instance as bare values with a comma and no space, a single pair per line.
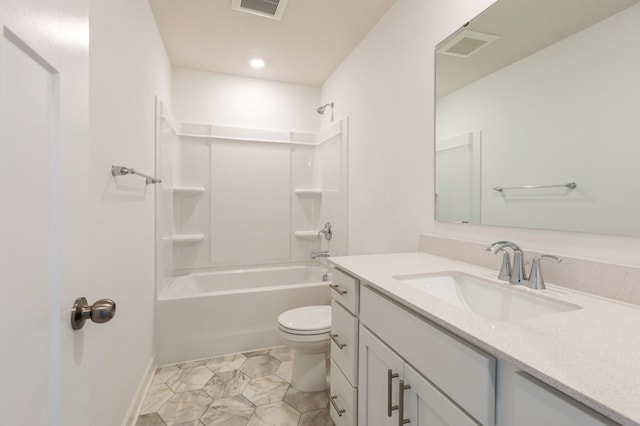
326,231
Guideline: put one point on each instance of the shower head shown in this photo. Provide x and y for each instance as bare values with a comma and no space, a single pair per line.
323,107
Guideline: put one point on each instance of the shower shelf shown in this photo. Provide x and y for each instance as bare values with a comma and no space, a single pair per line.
188,190
306,235
308,192
185,239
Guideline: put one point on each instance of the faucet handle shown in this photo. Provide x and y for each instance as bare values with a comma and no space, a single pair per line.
536,281
505,269
326,231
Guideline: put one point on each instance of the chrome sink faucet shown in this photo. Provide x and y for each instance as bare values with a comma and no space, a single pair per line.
516,274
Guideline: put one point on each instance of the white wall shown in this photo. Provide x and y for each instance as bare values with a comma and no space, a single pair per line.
210,98
386,88
576,123
128,67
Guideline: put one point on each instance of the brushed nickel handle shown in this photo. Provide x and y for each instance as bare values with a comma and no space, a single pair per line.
101,311
390,376
339,410
401,388
338,289
334,337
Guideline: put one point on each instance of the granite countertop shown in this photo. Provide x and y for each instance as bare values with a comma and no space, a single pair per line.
591,354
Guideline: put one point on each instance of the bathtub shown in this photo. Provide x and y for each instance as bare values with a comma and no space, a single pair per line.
206,314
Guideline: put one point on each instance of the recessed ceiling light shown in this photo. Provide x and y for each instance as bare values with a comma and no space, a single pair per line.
257,63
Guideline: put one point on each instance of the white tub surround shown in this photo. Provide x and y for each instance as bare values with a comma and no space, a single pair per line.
589,354
237,196
213,313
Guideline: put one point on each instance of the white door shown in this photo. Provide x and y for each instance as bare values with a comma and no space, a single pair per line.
43,175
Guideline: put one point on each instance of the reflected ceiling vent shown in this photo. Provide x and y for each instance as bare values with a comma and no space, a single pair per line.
465,43
268,8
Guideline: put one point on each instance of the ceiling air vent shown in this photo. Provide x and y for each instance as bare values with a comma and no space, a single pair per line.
466,43
268,8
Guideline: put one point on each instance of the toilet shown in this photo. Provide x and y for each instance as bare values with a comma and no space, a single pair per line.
307,331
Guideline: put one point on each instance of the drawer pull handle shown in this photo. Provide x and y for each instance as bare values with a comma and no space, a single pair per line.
390,376
338,289
401,388
333,401
334,337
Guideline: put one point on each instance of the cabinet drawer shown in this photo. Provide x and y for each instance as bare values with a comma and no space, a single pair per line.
344,330
344,289
344,397
464,373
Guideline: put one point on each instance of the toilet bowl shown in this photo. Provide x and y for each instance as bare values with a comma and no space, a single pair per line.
307,331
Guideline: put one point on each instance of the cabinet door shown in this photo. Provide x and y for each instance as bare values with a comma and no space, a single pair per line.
525,401
425,405
376,359
462,372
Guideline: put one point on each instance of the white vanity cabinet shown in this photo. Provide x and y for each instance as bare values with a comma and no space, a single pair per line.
460,379
344,348
404,358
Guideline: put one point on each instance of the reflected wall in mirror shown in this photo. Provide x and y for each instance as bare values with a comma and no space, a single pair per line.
553,99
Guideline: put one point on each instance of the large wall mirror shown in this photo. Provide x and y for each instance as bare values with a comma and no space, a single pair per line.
538,117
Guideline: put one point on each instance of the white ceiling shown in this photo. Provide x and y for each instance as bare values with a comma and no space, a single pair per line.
305,47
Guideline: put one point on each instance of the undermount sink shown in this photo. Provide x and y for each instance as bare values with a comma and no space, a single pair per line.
498,302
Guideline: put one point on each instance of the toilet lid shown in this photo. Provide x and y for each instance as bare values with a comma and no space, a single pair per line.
306,320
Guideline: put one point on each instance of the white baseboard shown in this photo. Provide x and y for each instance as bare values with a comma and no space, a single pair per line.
136,404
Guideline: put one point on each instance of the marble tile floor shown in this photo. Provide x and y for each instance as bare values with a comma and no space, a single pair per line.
245,389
